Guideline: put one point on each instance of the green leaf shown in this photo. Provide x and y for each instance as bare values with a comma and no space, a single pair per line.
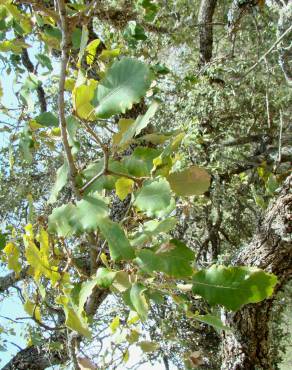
124,187
124,84
83,43
147,346
140,162
45,61
151,229
173,258
89,211
153,197
61,180
76,38
47,119
85,216
138,300
119,246
2,241
72,127
59,220
233,287
103,278
191,181
212,320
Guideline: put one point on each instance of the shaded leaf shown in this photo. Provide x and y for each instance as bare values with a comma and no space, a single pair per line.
138,300
173,258
191,181
119,246
61,180
147,346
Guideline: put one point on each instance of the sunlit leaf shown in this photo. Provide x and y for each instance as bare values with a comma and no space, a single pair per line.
153,197
233,287
124,186
12,254
82,96
124,84
91,51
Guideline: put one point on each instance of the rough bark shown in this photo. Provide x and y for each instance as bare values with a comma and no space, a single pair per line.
11,279
36,358
248,345
205,17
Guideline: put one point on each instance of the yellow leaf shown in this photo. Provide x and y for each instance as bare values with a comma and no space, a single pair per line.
32,309
109,54
74,320
124,125
69,84
12,254
38,258
115,324
33,125
91,51
82,96
123,186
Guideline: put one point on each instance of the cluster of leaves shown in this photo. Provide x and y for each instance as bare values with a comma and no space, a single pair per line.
147,170
147,248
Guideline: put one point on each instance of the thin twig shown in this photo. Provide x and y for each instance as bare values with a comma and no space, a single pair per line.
280,137
268,52
61,100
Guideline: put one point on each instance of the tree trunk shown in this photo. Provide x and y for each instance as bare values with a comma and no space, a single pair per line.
205,18
248,345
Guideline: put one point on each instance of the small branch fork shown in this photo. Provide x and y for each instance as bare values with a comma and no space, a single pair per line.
105,170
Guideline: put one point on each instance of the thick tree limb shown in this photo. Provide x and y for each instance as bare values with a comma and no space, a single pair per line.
9,280
37,357
206,12
247,346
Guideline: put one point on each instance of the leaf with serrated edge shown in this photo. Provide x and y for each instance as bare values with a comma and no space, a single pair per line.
154,196
124,84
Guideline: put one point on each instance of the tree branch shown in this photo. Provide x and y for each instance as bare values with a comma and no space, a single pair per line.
61,101
206,12
9,280
30,67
